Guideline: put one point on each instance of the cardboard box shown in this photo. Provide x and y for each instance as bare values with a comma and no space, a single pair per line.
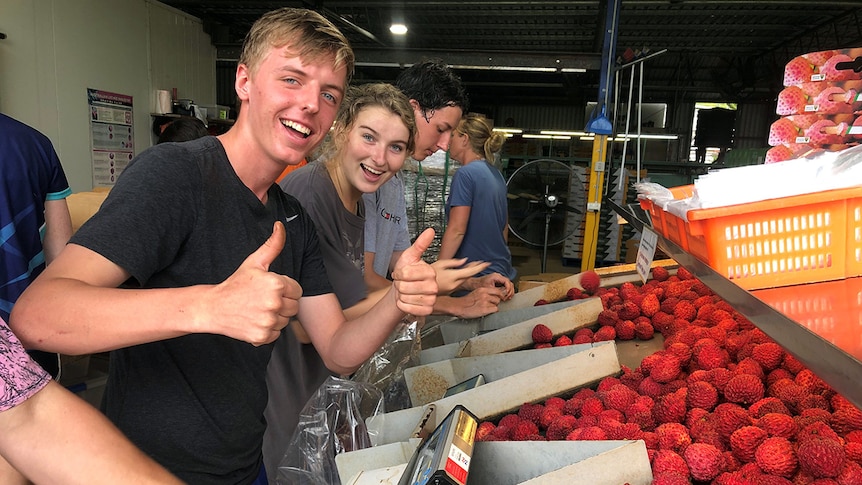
82,205
558,377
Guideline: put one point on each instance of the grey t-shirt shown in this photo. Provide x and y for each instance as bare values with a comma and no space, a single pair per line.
295,370
386,223
341,232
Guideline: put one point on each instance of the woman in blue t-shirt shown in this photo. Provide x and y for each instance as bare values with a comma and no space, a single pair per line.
477,210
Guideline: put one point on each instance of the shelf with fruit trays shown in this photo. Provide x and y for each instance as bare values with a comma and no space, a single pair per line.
819,323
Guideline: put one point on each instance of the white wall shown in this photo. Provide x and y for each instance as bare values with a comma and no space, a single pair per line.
56,49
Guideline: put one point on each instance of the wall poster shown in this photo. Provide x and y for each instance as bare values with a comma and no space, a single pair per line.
112,135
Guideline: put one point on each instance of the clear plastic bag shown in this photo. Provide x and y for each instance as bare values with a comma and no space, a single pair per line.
385,369
332,422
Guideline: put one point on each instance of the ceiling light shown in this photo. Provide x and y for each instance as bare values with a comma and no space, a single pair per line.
398,29
563,133
509,130
505,68
547,137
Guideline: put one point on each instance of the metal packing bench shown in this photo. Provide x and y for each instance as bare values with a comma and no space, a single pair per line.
819,323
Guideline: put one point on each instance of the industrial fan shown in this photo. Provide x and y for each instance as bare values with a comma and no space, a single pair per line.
538,194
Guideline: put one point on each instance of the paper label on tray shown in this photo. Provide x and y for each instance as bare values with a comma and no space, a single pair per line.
646,253
457,464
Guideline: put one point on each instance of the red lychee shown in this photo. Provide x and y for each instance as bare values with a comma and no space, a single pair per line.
590,282
660,273
769,355
745,440
704,461
776,456
667,461
562,340
484,429
542,334
604,334
778,424
702,394
821,457
561,427
744,389
575,293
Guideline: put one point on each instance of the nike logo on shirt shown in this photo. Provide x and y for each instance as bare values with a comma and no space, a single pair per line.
288,219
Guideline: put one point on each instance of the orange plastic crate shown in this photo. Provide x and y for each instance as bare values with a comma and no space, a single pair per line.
669,225
778,242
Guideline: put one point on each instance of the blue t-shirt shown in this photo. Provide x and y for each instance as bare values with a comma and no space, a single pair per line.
482,187
30,174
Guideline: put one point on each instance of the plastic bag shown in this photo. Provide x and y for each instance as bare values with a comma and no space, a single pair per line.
332,422
385,369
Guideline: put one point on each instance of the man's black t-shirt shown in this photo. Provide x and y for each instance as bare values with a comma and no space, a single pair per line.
179,216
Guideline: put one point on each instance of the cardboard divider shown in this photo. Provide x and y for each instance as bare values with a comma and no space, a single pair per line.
507,394
556,290
428,383
560,462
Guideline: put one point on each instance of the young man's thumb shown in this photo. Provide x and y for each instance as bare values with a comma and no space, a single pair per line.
271,248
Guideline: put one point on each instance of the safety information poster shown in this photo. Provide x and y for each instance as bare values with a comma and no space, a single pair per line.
112,135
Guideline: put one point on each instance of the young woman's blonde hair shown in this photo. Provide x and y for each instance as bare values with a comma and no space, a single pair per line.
483,138
310,35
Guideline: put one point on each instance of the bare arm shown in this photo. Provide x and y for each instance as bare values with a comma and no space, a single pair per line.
55,437
88,313
478,303
58,228
456,227
373,280
345,344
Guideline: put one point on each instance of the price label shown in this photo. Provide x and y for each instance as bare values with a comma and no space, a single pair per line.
646,253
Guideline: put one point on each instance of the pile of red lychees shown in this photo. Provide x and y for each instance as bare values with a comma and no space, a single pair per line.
722,403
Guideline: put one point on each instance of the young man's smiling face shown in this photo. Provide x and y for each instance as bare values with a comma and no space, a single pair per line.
290,104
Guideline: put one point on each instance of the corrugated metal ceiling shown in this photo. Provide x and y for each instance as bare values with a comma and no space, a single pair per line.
731,50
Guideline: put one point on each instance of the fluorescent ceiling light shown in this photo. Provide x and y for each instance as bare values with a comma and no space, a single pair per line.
398,29
509,130
505,68
572,69
547,137
649,136
563,133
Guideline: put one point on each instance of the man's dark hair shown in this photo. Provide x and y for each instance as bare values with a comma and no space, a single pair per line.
183,129
433,85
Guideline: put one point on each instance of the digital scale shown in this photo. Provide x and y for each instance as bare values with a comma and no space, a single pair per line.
444,457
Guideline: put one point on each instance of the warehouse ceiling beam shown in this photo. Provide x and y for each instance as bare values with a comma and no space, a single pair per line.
399,58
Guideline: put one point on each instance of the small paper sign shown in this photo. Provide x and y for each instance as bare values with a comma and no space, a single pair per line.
646,252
